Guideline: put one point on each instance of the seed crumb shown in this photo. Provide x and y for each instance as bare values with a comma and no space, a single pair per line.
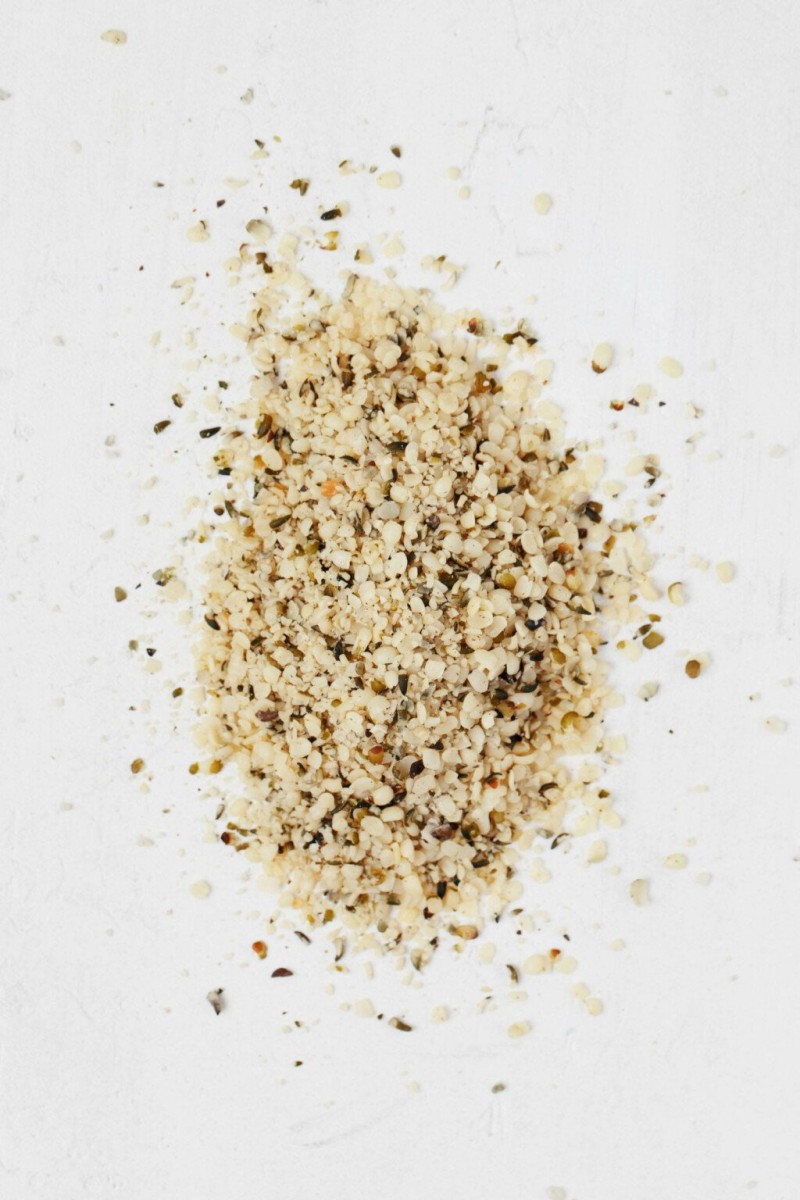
670,367
386,493
676,594
676,862
117,37
775,725
639,892
198,232
519,1029
542,203
725,572
201,889
216,999
602,358
389,179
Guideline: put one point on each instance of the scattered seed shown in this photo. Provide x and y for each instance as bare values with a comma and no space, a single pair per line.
215,999
602,358
542,203
259,230
675,593
519,1029
670,367
676,862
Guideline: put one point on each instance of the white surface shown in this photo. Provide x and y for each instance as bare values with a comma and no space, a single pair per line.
668,137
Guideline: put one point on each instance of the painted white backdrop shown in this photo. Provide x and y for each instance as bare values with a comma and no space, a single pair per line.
668,136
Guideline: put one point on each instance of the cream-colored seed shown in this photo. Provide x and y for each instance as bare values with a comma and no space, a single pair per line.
670,367
389,179
519,1029
198,232
639,892
676,862
725,572
396,732
117,37
537,964
676,594
201,890
542,203
602,357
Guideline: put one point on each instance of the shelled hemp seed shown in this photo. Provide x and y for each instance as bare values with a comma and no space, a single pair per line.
407,585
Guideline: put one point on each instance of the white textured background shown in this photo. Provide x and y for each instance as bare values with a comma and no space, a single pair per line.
668,136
